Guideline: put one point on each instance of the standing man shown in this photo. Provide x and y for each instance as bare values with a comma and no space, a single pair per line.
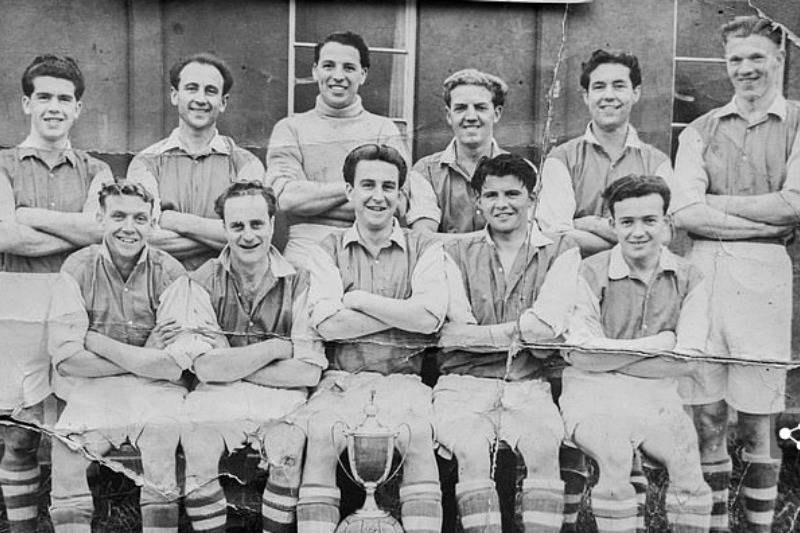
512,283
441,197
377,297
575,173
189,169
737,192
46,212
306,151
110,346
259,369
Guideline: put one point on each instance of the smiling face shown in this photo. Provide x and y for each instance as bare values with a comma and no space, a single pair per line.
339,74
472,115
127,224
248,228
504,202
640,225
52,107
199,97
610,96
754,65
374,194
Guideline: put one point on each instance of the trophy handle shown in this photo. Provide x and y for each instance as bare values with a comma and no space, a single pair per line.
339,424
403,455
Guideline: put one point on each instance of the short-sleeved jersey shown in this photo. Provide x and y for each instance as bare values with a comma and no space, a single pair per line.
497,298
453,205
62,187
191,182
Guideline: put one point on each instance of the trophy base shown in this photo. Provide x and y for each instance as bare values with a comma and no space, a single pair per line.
372,521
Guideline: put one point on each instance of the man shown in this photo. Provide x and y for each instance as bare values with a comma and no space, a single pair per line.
510,281
189,169
576,172
633,300
108,339
441,198
46,212
259,369
377,296
306,151
737,177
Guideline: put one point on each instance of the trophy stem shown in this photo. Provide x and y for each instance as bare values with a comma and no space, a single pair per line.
370,508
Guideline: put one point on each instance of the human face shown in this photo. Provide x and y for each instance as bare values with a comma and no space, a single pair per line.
374,194
505,202
472,115
754,65
610,96
640,226
248,228
127,223
199,97
52,107
339,74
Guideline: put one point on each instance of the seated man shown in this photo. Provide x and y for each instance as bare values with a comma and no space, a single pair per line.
515,281
377,292
258,370
108,345
633,300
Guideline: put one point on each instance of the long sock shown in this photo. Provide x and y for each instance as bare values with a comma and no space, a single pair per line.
278,507
478,506
71,514
421,507
760,488
639,482
718,476
207,508
543,504
689,511
615,512
574,473
20,486
317,509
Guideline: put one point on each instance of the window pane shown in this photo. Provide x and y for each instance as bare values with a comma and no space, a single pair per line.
381,23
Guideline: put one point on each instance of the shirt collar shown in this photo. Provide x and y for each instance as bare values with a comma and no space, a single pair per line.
397,236
174,141
631,137
449,153
278,264
536,238
105,253
778,107
619,269
27,149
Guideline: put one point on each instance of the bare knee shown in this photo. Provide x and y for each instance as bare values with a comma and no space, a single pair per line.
21,443
711,422
755,432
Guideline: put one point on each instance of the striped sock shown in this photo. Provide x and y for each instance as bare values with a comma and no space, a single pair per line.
718,476
478,506
615,512
278,506
639,482
159,507
207,508
318,509
20,486
543,504
421,507
760,488
689,511
71,514
574,473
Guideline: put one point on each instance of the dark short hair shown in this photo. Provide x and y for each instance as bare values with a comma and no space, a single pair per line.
636,186
746,26
600,57
374,152
246,188
347,38
123,187
204,58
54,66
504,165
471,76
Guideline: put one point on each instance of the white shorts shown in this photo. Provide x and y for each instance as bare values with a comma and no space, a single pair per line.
514,409
751,319
237,410
119,407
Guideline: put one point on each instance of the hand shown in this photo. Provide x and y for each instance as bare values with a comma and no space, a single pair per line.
665,341
453,335
354,299
163,335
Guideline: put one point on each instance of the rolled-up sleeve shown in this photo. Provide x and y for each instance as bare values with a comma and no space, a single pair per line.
422,201
326,289
693,322
67,321
427,282
139,172
690,180
585,328
92,204
459,309
189,305
556,207
556,299
792,182
284,159
306,343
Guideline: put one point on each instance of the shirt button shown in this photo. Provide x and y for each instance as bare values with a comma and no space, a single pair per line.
125,289
52,204
130,322
51,175
250,324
